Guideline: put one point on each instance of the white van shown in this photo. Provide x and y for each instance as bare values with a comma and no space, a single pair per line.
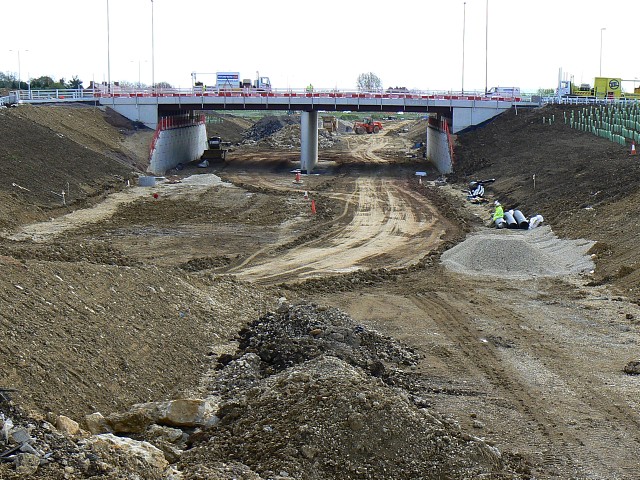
508,92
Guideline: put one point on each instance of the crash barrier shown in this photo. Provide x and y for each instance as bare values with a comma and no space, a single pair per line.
116,91
178,140
54,95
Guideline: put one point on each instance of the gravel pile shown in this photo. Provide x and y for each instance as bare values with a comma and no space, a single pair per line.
519,254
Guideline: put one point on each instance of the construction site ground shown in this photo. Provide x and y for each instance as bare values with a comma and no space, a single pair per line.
319,311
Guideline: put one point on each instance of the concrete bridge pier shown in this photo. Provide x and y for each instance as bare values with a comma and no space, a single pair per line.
309,141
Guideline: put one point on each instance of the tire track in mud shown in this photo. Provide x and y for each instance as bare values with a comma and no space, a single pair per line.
558,447
385,223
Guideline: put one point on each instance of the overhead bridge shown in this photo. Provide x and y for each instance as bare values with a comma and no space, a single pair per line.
459,111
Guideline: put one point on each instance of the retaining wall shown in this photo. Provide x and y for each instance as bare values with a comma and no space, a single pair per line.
178,140
440,148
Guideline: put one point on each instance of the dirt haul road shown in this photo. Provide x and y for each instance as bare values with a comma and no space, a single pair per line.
530,361
517,347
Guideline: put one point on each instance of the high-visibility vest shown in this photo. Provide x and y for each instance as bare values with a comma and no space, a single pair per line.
499,213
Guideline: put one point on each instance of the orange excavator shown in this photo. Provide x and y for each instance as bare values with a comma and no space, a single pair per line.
368,126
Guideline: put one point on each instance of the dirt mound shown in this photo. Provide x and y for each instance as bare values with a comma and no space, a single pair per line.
305,397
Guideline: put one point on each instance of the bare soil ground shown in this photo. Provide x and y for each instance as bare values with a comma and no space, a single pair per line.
335,343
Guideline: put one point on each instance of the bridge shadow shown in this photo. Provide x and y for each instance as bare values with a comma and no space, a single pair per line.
329,163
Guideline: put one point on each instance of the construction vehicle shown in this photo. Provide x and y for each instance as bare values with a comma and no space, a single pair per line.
603,87
217,151
510,92
330,123
367,126
232,80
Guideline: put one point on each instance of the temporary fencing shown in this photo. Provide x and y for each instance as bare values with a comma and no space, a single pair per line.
619,123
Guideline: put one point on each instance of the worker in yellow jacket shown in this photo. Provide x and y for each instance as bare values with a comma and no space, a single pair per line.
498,215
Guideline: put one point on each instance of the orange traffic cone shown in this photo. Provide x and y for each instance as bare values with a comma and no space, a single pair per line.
297,177
313,206
633,148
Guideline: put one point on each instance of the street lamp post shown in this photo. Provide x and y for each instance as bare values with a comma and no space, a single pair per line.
601,30
486,50
153,67
464,24
19,69
108,53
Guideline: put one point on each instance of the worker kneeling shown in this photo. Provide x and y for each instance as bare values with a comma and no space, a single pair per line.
498,215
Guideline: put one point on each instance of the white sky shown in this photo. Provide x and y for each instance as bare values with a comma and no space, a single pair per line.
411,43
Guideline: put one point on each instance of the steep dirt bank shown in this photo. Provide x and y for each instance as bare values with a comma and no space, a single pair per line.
48,150
585,186
421,372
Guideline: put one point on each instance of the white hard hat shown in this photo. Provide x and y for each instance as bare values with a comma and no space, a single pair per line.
496,202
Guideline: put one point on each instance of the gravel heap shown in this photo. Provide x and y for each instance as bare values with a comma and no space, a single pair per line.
309,395
519,254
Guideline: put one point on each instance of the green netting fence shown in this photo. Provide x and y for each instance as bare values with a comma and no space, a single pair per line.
619,123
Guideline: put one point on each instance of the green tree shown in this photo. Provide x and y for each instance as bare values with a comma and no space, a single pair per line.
75,82
46,82
369,82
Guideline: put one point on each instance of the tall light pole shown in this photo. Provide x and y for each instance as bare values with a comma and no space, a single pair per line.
19,70
464,25
601,30
486,50
108,53
153,66
139,77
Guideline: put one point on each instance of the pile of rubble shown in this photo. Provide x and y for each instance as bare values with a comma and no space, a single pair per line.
308,394
269,125
283,132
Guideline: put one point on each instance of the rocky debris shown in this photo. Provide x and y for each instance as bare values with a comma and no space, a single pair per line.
131,452
206,263
309,395
187,412
632,368
283,133
325,419
296,334
269,125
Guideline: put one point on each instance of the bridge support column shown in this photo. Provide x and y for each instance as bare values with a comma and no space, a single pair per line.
309,141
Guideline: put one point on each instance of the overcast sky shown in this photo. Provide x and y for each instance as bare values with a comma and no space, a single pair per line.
416,44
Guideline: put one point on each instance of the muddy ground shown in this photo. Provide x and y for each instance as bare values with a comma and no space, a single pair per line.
332,340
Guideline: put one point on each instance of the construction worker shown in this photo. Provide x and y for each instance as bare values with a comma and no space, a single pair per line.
310,88
498,215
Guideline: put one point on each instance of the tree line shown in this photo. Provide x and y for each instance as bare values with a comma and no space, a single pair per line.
11,82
